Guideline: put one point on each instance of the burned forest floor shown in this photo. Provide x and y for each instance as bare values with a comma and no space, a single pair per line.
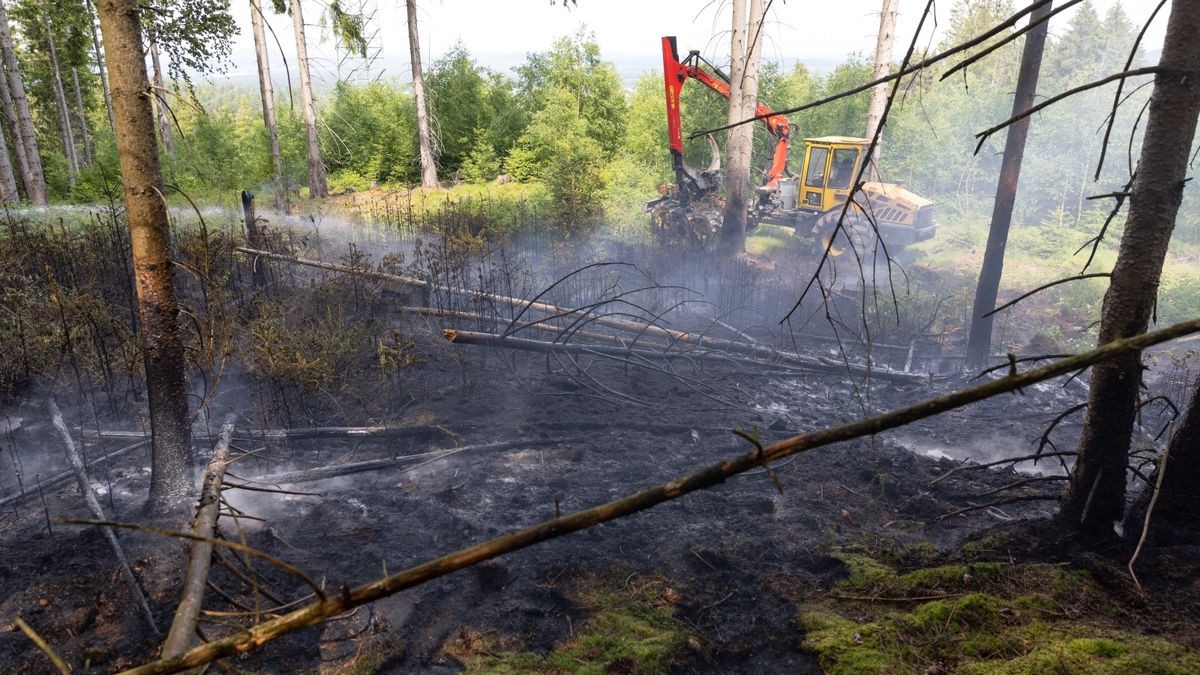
894,553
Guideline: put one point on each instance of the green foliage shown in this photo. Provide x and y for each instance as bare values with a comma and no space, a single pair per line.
457,91
482,164
371,130
557,150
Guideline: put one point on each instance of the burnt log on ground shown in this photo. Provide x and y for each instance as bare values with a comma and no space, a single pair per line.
757,351
187,614
93,504
779,359
63,477
333,471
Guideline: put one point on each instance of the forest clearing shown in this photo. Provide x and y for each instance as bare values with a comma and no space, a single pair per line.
558,368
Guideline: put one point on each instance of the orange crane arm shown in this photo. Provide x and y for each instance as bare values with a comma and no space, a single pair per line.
676,73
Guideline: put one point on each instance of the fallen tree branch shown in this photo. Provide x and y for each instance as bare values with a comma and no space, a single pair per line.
324,472
187,614
297,434
41,644
70,473
1077,277
780,359
617,323
93,504
639,501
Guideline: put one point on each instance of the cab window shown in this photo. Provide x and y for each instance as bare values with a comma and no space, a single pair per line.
842,171
816,167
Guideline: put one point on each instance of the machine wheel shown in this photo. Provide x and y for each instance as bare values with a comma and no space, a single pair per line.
856,231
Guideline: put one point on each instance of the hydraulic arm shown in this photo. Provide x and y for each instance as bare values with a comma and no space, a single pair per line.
675,74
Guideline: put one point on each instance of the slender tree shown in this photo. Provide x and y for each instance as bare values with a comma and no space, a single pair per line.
979,342
745,48
267,93
158,313
8,181
158,99
883,64
81,116
100,68
60,99
318,183
1096,497
13,127
429,176
23,132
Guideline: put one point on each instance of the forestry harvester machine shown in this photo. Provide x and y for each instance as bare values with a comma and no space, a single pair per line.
690,211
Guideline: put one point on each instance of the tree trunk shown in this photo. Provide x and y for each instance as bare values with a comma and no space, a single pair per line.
157,100
100,67
31,167
266,91
1174,519
1096,498
745,47
979,342
81,111
883,64
318,183
162,346
13,127
60,100
429,176
8,181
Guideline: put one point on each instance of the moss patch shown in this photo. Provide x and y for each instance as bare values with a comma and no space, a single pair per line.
978,618
632,629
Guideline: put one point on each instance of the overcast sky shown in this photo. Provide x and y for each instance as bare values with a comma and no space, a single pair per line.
499,32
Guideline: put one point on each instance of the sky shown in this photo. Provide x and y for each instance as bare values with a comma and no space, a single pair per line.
499,33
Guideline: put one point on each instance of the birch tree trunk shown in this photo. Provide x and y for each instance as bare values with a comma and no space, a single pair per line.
318,183
156,99
158,313
100,67
1096,497
60,100
81,113
31,168
883,64
746,37
429,176
266,91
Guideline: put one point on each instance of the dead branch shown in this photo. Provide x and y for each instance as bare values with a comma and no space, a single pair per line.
1162,471
644,499
627,325
183,628
1043,287
278,435
779,358
41,644
93,504
987,133
324,472
70,473
998,462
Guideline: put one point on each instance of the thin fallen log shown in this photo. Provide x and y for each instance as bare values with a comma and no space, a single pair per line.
325,472
769,354
779,359
93,504
709,476
41,644
297,434
187,614
67,475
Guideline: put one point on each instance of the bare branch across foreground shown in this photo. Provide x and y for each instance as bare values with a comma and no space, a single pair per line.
709,476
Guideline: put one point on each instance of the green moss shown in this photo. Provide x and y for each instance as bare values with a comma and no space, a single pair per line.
979,618
632,629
